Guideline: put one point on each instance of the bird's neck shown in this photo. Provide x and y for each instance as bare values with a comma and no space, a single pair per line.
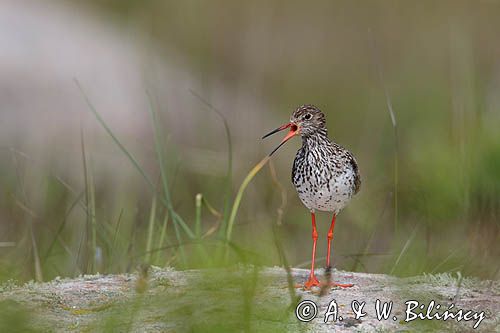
319,138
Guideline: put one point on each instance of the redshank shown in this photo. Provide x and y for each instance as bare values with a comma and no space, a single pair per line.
325,175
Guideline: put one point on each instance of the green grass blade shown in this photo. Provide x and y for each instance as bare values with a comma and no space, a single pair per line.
181,247
239,195
159,151
394,124
134,161
152,218
163,234
198,200
115,139
61,228
90,204
229,173
29,219
404,249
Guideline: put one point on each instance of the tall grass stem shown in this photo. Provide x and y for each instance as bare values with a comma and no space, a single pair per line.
198,201
229,172
239,195
151,226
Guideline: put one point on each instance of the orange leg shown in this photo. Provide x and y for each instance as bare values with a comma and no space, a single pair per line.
330,237
313,280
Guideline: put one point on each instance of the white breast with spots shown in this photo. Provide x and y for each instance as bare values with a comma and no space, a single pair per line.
324,187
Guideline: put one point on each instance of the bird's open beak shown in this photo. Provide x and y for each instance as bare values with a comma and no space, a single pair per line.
294,130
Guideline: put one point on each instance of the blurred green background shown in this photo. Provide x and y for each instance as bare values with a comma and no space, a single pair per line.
72,202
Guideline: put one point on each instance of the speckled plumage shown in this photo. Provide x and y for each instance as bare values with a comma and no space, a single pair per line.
325,174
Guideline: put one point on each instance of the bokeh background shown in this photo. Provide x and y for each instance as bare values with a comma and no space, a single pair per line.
411,88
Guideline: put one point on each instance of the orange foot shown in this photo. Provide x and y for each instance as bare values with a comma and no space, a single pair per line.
314,282
341,285
311,282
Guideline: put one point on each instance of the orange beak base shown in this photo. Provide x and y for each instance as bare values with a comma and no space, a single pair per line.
294,130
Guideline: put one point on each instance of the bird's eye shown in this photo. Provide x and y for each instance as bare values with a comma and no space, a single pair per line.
307,116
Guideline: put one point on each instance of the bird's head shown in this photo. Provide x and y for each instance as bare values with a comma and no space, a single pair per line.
309,120
305,121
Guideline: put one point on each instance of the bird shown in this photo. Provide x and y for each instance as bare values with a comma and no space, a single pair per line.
325,174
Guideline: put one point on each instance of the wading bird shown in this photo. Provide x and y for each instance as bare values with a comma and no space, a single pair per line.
325,175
